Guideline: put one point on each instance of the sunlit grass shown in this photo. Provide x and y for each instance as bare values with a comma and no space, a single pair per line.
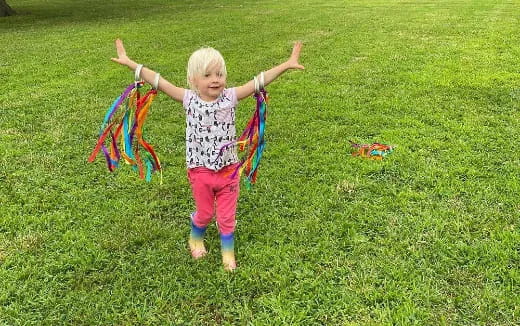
429,235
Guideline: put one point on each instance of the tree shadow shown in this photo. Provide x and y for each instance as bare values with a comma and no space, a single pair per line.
58,12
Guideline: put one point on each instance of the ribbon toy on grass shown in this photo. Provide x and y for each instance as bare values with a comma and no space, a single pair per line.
375,151
126,126
252,139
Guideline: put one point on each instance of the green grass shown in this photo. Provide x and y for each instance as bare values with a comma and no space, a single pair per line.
429,236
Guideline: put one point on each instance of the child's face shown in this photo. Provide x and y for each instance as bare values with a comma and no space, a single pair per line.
210,84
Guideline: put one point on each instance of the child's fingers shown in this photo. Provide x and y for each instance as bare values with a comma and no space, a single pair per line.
118,60
296,50
298,66
120,48
297,47
296,55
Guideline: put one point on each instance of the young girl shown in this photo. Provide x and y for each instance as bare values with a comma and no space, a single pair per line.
210,124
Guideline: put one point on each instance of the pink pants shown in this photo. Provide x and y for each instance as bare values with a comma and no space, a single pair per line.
215,192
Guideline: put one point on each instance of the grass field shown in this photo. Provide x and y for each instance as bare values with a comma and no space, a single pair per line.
429,236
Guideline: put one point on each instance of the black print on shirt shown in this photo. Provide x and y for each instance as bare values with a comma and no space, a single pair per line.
210,126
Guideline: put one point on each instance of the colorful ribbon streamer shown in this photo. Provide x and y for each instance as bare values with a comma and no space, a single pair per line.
252,141
374,151
126,126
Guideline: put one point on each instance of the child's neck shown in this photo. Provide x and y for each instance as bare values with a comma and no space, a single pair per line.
207,98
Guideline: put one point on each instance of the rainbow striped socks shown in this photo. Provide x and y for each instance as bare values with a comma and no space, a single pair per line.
196,241
198,250
227,242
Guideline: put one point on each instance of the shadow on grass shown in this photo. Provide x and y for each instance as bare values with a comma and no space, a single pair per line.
44,13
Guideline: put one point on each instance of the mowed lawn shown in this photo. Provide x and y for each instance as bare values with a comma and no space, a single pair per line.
428,236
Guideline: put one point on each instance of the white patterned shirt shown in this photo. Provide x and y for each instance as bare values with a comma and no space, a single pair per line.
209,127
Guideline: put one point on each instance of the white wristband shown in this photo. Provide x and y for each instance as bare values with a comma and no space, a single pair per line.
156,81
259,82
138,72
262,80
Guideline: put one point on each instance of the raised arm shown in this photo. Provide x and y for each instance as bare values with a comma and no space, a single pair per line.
148,75
273,73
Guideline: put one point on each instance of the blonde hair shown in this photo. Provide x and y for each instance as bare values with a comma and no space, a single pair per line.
202,60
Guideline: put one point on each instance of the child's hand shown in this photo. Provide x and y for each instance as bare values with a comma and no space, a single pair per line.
122,58
293,60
